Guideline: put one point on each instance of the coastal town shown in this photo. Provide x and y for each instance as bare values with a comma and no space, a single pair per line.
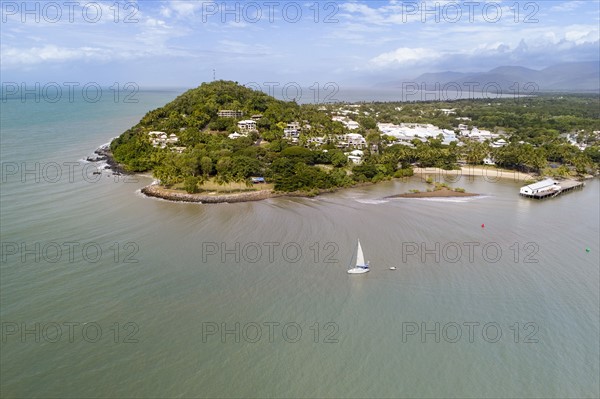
307,149
296,132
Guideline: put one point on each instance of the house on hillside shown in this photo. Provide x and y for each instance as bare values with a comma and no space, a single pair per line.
236,135
160,139
292,131
354,140
448,111
347,122
172,138
355,156
294,126
228,113
248,125
316,140
498,143
352,125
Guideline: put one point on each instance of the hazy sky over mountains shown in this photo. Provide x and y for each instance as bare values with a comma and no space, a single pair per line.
179,43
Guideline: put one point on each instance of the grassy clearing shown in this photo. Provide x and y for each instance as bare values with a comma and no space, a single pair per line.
210,186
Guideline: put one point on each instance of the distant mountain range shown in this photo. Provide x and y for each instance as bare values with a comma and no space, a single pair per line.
567,77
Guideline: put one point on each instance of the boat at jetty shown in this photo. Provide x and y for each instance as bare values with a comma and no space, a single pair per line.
549,188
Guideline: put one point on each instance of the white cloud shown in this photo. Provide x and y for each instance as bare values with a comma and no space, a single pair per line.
567,6
389,14
580,34
239,48
404,56
181,9
155,23
238,25
50,53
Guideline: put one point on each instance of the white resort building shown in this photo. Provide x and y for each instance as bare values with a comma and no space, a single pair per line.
355,156
248,125
160,139
228,113
406,132
347,122
236,135
446,111
316,140
292,131
499,143
353,140
478,135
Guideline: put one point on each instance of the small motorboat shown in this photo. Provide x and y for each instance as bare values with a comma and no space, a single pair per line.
393,268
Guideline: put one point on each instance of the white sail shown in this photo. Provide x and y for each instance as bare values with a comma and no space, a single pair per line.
361,267
360,257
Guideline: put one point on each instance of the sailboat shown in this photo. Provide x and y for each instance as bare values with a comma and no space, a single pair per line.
361,266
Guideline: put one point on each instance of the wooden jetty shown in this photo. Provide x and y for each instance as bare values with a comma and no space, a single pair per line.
549,188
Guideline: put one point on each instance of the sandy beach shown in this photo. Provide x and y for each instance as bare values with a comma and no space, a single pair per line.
441,193
489,173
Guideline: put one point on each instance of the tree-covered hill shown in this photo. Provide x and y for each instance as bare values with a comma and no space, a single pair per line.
207,152
194,112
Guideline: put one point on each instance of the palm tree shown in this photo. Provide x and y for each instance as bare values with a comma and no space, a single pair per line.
222,179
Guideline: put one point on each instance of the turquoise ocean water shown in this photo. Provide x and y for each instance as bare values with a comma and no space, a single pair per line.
106,293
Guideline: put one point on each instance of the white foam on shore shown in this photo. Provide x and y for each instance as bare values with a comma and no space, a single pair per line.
106,145
100,164
139,193
371,201
451,199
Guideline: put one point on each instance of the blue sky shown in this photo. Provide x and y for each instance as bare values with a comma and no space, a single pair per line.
358,43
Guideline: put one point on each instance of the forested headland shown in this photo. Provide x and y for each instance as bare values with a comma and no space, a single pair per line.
196,143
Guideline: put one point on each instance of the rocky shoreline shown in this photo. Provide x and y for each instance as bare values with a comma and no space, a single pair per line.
103,154
156,191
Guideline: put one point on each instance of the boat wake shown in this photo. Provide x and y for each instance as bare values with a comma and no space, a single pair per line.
371,201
